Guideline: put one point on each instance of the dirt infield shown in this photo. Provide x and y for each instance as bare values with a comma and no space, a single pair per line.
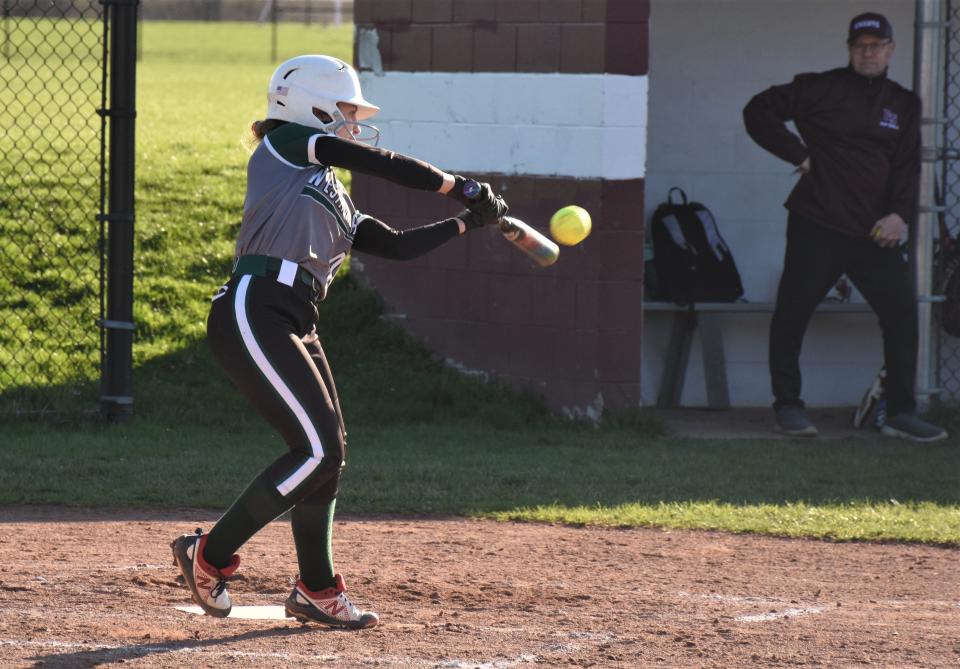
81,588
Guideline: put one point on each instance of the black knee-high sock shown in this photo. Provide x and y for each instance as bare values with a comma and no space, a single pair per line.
312,524
256,506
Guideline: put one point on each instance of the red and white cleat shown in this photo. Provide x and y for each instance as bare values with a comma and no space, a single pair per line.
329,607
208,585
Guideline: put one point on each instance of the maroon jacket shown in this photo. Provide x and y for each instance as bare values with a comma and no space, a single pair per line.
863,139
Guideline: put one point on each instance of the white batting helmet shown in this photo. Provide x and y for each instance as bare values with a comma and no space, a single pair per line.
306,90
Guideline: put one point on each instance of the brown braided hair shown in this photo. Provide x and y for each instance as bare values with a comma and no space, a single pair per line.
262,127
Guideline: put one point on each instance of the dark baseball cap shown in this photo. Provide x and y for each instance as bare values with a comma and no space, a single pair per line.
870,23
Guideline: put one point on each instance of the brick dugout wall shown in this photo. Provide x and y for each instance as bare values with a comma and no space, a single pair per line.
546,100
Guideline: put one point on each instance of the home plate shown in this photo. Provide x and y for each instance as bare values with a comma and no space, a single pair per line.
247,612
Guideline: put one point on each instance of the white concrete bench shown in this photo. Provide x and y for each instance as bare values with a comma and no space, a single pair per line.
686,320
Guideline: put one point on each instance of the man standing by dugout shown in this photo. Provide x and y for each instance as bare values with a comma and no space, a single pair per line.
858,153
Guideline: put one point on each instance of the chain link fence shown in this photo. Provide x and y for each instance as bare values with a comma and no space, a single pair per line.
947,347
51,180
309,12
272,12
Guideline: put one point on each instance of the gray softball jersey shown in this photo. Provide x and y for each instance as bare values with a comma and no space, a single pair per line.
295,207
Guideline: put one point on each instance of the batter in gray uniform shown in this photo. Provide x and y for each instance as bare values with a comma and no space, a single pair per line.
299,224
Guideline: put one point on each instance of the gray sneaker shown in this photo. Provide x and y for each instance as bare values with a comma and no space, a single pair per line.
912,427
792,420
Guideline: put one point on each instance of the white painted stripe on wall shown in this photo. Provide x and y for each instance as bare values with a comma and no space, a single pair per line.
571,125
263,364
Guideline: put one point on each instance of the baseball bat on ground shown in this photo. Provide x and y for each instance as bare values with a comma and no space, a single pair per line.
531,242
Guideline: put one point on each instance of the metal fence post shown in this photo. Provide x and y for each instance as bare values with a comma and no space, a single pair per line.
6,29
274,17
948,352
927,83
117,385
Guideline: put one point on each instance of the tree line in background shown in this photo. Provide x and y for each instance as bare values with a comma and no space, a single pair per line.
334,12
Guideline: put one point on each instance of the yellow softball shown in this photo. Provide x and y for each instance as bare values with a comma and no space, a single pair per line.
570,225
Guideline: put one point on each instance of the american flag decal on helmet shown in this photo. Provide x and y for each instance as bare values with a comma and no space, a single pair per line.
282,90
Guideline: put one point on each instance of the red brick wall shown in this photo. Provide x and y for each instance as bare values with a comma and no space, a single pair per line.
510,35
569,331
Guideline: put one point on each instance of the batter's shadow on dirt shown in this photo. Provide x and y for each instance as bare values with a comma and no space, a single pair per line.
99,656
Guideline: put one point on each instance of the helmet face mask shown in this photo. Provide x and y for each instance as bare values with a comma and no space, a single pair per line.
354,130
358,132
307,90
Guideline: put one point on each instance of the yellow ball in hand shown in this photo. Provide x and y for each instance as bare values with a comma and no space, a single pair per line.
570,225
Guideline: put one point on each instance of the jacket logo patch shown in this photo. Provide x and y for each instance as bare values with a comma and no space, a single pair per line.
889,120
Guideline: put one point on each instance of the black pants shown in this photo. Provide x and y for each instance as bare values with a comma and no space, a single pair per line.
263,334
815,258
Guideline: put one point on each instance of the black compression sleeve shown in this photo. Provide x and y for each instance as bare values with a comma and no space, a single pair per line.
395,167
377,238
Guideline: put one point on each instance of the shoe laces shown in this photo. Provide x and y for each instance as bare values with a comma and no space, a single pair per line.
347,610
352,610
219,588
222,575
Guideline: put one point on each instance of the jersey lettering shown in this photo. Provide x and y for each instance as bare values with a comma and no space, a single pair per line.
326,189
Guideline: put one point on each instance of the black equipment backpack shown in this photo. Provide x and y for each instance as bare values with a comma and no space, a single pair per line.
693,263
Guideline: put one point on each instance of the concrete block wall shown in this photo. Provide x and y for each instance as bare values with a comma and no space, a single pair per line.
568,36
547,101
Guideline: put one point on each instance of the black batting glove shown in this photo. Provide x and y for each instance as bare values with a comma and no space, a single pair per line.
484,212
457,191
483,198
486,203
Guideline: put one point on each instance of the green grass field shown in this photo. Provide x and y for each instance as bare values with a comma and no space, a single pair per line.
423,439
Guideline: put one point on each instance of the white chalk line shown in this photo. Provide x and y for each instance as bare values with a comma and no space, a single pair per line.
789,612
121,651
496,664
736,599
122,567
605,636
111,652
142,567
778,615
148,649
